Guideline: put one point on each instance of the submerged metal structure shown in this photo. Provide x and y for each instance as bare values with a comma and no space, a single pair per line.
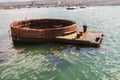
53,30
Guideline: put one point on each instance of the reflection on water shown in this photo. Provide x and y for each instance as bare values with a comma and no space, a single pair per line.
41,48
38,60
53,61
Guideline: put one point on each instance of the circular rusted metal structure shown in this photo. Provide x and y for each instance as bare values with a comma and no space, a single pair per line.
35,30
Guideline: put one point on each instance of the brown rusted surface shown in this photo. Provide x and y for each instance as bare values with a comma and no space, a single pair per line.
42,28
87,38
55,30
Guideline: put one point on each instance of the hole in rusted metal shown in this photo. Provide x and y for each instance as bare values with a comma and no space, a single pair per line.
97,39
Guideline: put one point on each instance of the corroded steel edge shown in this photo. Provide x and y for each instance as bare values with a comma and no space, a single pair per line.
47,35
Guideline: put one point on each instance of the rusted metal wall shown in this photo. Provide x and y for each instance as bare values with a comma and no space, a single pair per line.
21,30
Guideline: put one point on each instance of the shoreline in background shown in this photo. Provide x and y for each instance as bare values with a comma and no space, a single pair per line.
38,4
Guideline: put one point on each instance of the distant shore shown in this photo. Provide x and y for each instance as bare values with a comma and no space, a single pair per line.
29,4
7,7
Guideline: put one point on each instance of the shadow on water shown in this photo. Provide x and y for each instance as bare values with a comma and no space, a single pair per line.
38,60
59,62
46,61
41,48
51,51
50,48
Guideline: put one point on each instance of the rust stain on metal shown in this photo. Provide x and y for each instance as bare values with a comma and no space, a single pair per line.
57,30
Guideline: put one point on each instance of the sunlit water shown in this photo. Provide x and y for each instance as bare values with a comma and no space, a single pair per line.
69,62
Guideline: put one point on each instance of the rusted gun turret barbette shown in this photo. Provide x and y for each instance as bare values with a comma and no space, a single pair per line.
53,30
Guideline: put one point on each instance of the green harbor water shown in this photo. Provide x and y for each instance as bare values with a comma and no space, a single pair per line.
69,62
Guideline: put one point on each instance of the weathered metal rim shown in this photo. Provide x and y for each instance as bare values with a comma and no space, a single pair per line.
16,23
21,29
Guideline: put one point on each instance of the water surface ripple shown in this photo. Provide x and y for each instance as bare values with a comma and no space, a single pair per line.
52,61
